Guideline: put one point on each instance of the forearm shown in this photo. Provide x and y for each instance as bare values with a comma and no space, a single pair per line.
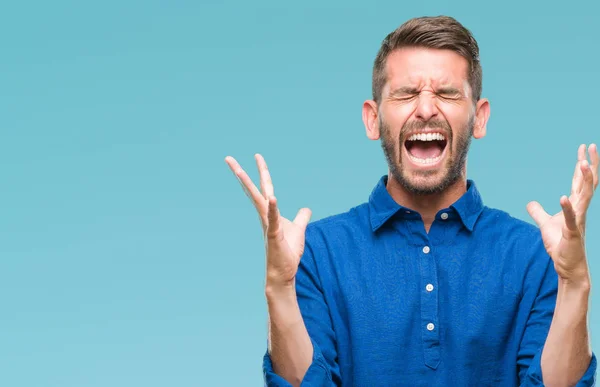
567,351
290,348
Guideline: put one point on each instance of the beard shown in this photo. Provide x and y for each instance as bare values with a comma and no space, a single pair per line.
427,183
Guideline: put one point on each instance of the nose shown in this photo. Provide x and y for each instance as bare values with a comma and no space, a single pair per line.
426,107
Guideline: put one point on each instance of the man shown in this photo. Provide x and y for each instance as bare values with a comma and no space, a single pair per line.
423,285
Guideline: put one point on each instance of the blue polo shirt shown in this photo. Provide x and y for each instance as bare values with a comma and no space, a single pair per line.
387,304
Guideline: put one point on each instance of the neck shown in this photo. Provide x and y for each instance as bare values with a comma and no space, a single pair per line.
426,205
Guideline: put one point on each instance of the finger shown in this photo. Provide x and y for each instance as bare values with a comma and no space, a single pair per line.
303,217
266,185
576,184
273,216
581,152
570,217
595,159
536,211
247,185
587,190
577,178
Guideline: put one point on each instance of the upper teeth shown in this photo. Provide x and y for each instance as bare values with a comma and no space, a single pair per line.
426,137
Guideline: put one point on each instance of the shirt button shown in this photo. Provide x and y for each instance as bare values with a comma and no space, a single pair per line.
429,287
430,327
426,249
444,216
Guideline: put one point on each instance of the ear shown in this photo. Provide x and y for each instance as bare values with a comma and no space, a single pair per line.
370,119
482,114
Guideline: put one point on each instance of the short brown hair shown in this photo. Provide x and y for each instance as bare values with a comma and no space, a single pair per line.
438,32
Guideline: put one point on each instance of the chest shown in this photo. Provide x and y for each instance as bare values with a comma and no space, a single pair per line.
427,294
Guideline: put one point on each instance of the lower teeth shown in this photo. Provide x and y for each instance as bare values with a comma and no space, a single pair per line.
429,160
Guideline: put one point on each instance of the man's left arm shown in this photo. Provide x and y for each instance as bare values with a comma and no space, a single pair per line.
540,294
567,353
567,358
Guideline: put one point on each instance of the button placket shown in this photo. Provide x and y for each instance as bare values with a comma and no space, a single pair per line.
429,307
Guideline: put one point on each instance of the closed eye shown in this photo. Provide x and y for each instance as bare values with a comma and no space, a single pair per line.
405,98
449,93
450,96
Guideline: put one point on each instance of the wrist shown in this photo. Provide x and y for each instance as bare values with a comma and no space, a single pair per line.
276,291
578,285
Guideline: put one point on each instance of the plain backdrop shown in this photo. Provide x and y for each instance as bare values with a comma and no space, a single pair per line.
129,255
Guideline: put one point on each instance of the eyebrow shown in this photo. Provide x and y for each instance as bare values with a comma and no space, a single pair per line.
448,90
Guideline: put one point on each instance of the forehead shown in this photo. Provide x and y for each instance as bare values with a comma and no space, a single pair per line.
426,67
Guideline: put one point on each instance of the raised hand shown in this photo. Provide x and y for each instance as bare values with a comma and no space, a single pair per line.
284,239
564,233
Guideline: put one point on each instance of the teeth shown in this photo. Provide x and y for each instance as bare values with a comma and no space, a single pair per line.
427,137
430,160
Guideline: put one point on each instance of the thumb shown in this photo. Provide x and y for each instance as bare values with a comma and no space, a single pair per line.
303,217
537,212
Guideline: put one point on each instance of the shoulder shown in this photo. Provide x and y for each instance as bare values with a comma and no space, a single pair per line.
506,225
338,232
357,216
515,239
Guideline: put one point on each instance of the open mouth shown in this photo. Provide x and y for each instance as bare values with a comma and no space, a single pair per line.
426,148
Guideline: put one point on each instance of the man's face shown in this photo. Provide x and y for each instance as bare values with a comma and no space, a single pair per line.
426,118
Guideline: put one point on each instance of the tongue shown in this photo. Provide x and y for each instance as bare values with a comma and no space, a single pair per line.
424,149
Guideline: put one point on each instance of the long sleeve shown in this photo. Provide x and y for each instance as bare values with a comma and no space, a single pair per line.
539,320
324,370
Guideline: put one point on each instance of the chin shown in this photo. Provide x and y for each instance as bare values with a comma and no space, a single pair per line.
424,182
423,186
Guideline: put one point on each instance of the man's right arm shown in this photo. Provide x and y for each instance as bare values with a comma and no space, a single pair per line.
298,315
289,344
302,348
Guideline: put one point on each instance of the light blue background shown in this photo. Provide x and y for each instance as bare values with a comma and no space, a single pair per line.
129,255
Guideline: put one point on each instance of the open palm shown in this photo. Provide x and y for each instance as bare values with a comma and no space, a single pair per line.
284,239
564,233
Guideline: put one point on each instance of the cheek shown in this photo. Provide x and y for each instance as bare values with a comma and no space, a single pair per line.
397,114
454,114
401,113
458,119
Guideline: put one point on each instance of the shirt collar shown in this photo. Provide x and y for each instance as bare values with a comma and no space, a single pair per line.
382,206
